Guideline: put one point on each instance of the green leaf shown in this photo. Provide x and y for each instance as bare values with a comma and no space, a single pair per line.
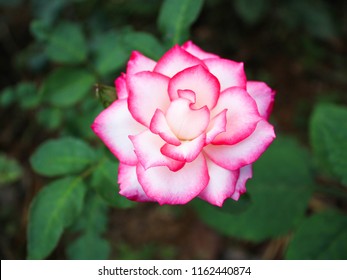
78,122
51,118
94,216
328,131
322,236
104,181
7,96
40,29
62,156
66,86
66,44
279,193
27,95
110,54
54,209
143,42
176,17
32,58
89,246
92,222
251,11
10,170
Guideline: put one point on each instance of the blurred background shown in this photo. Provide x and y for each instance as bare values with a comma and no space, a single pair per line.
52,54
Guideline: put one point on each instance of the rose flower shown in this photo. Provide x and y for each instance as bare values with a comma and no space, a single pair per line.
189,125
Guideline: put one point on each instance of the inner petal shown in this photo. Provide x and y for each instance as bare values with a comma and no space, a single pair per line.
187,94
199,80
185,122
187,151
216,126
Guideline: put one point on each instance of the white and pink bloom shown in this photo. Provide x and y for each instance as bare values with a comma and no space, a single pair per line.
189,125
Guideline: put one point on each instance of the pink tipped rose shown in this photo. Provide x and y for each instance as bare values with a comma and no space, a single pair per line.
189,125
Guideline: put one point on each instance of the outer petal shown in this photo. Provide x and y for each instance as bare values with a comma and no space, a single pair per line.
263,96
221,185
147,148
242,115
245,174
187,151
113,126
229,73
160,126
200,81
129,185
147,93
121,87
138,63
196,51
175,60
217,125
185,122
179,187
233,157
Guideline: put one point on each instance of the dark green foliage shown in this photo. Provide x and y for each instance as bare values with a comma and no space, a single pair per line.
329,139
66,43
143,42
110,55
66,86
89,246
322,236
176,17
54,209
62,156
25,93
92,223
10,170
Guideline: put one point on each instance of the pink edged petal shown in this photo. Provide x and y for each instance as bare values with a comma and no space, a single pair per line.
175,60
160,126
185,122
200,81
263,95
245,174
217,125
187,151
187,94
178,187
121,87
242,115
138,63
129,185
233,157
113,126
147,148
229,73
221,185
196,51
147,93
